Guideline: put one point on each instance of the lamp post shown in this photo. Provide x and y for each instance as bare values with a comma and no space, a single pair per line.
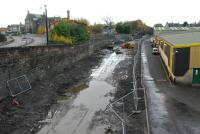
47,36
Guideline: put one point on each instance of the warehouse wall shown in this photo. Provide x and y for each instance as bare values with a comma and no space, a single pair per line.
195,57
167,52
193,63
164,57
181,61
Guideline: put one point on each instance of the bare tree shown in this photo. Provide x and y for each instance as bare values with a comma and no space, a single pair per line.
108,21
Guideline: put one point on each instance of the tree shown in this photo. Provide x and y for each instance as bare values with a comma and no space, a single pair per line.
158,25
185,24
119,27
97,28
70,32
109,22
82,21
2,38
133,27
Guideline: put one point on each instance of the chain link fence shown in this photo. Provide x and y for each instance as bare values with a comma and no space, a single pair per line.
18,85
121,115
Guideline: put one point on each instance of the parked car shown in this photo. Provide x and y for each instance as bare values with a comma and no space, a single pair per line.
151,40
155,51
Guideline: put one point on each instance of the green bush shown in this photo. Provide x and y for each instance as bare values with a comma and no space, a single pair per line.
2,38
96,28
132,27
73,31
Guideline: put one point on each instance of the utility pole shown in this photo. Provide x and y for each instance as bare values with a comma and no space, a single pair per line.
47,36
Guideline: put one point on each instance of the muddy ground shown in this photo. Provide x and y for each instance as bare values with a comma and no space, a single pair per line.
122,79
35,104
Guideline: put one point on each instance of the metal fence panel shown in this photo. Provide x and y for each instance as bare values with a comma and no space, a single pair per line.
18,85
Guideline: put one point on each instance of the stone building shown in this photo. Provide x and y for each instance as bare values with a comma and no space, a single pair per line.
16,28
3,31
32,21
36,23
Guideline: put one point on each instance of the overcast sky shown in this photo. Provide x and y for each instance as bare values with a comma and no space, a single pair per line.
150,11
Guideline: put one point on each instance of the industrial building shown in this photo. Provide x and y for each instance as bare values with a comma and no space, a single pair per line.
181,56
174,30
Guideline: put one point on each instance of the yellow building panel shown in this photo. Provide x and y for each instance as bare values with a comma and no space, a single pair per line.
187,45
195,57
171,57
165,60
164,57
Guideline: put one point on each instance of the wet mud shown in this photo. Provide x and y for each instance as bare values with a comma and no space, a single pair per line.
75,101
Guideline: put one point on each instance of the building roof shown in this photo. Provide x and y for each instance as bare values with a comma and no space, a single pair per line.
3,29
53,19
183,39
40,17
176,28
36,17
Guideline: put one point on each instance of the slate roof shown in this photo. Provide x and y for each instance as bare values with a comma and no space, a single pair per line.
183,38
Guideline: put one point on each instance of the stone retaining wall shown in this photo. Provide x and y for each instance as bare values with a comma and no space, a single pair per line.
37,61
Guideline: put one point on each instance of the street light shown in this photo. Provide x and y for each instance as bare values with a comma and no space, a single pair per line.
45,6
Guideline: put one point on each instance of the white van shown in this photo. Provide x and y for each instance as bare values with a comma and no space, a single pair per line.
155,50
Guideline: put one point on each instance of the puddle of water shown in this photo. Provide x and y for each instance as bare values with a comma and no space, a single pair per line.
74,90
76,115
107,67
78,118
77,89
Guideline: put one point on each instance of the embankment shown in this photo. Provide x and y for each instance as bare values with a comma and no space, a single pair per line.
37,61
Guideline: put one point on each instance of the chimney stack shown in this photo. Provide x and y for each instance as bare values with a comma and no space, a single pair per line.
68,14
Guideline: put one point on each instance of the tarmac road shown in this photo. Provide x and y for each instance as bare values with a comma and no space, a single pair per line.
18,41
172,109
30,40
39,40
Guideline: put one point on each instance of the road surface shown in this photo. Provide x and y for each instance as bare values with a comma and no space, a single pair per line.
18,41
38,40
29,40
172,109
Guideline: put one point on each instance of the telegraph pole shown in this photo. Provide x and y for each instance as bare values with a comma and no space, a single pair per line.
47,36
